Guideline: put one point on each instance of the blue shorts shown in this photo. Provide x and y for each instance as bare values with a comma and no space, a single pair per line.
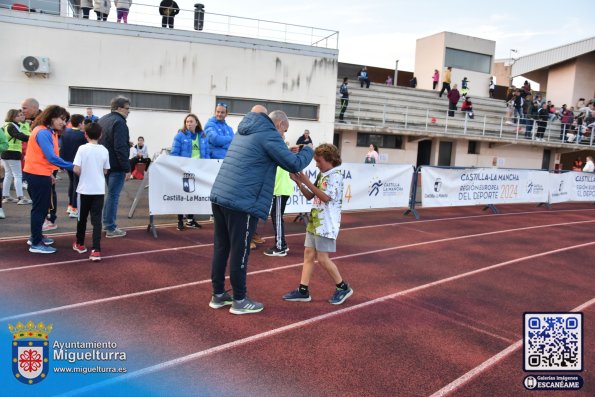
320,244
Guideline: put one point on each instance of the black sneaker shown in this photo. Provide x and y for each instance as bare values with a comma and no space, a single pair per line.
192,224
181,225
276,252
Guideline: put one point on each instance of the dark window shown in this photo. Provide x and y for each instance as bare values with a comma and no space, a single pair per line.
473,147
96,97
382,141
460,59
303,111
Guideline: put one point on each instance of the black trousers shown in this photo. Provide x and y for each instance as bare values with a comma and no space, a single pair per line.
89,204
344,103
73,182
445,86
233,233
167,21
277,211
452,107
135,160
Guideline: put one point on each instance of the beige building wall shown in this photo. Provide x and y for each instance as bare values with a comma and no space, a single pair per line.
584,86
204,66
430,54
560,88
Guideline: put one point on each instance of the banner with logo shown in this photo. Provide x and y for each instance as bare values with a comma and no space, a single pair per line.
181,185
572,186
443,187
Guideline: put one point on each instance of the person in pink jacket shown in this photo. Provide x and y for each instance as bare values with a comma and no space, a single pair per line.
435,79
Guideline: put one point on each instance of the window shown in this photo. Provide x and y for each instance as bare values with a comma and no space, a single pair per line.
241,106
98,97
460,59
473,147
382,141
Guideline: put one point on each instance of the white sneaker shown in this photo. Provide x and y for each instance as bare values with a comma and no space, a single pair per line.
24,201
2,215
48,225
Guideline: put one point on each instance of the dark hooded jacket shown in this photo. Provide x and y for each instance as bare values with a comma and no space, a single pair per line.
246,179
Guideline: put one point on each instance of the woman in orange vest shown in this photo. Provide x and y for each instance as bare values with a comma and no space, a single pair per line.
41,161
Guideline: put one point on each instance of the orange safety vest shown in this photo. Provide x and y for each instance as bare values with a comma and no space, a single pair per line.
35,161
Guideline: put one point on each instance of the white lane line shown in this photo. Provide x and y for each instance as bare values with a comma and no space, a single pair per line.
457,383
166,225
11,269
254,338
163,289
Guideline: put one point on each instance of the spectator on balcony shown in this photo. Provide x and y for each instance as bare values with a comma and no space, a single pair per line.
533,107
445,82
101,8
526,89
123,7
364,77
542,115
467,107
389,80
453,100
577,165
580,103
519,101
566,120
168,9
86,6
435,78
492,87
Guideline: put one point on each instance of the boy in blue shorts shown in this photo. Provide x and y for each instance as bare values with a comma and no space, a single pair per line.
323,227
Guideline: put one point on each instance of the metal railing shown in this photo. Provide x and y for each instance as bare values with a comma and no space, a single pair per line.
148,15
491,125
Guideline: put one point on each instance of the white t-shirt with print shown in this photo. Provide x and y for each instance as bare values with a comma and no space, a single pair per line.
325,218
92,159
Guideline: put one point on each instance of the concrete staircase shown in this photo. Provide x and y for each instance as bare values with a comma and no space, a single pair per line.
417,112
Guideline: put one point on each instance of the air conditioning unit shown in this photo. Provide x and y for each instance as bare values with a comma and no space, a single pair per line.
35,65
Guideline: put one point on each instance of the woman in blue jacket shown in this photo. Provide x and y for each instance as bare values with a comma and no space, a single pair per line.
191,142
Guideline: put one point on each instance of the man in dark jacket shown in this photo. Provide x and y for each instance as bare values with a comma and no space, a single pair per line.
242,193
168,9
115,137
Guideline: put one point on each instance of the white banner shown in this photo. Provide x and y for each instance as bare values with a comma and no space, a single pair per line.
181,185
443,187
572,186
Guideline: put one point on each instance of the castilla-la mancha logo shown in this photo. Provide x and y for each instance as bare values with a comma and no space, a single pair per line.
30,351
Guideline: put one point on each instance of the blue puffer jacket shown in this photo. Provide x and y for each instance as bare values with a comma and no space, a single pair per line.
220,137
246,179
182,145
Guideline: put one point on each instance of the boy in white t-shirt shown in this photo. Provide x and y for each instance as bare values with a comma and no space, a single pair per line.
323,226
90,164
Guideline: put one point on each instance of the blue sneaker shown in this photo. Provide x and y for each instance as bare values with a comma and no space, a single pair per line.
297,296
42,249
341,295
44,240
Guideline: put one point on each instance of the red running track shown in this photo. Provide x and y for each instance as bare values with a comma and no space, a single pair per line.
437,308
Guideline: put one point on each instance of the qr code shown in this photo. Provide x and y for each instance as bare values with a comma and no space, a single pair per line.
553,341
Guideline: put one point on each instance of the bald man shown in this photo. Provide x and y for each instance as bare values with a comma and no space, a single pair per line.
242,193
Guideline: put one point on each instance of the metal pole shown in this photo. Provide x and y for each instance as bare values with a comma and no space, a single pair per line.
396,72
484,125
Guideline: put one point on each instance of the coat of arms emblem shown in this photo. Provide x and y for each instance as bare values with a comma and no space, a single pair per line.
30,351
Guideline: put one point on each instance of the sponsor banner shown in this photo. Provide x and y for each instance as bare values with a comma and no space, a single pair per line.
572,186
181,185
442,187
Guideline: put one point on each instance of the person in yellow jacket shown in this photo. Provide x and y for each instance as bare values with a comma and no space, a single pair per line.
41,161
283,190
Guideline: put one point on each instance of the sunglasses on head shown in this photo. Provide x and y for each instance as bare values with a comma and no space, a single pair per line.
222,104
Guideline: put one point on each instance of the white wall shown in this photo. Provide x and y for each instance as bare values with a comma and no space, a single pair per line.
87,53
